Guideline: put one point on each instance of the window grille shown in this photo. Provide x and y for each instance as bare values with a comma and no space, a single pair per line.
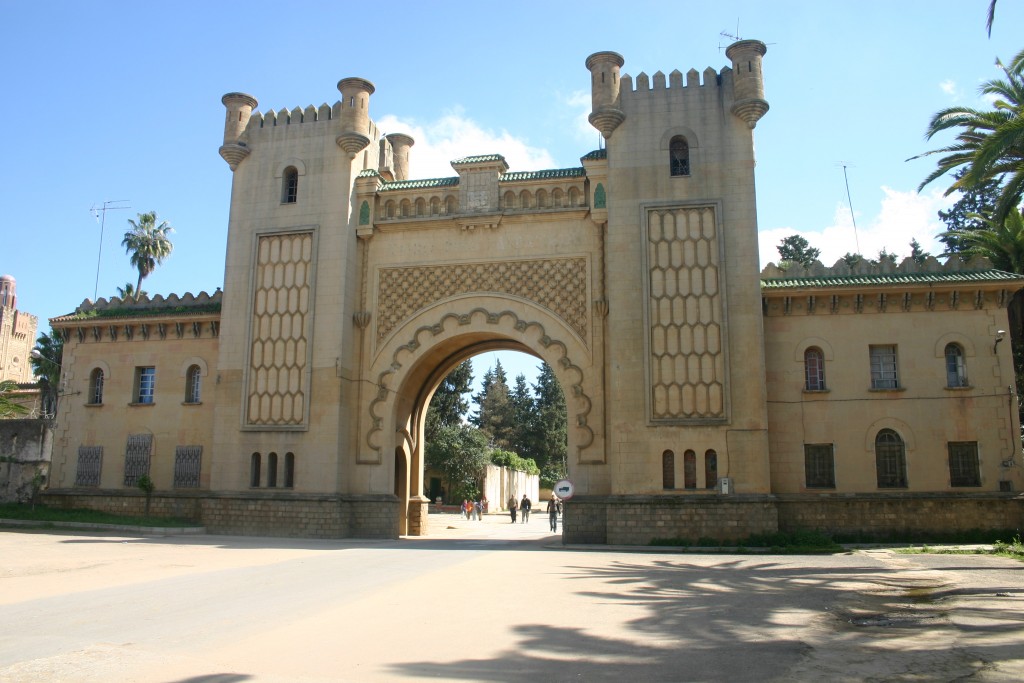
289,470
710,469
193,384
956,370
814,369
883,368
145,379
95,396
964,469
188,461
819,466
136,457
890,460
679,156
90,464
668,470
690,469
290,191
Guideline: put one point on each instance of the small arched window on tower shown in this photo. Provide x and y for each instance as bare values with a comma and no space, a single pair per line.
679,156
290,186
668,470
96,387
193,384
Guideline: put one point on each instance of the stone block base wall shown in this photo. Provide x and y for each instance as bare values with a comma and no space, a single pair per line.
891,515
283,514
638,520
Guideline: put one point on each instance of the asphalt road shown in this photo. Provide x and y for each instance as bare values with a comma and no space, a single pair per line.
489,601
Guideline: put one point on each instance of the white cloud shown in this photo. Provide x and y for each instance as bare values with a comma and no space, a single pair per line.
948,86
903,216
580,103
454,136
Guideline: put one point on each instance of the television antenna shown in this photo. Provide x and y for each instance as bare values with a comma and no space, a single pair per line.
100,214
849,201
733,37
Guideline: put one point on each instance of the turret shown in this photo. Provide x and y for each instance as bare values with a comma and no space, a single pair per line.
7,292
239,108
355,114
400,144
604,86
747,80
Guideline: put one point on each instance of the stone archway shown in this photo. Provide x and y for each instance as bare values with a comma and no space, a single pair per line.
419,356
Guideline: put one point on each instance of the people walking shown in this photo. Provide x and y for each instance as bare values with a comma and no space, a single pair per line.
554,507
478,510
524,507
512,508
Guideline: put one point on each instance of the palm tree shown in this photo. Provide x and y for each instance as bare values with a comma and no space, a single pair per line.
148,245
9,406
990,144
1001,242
128,292
46,360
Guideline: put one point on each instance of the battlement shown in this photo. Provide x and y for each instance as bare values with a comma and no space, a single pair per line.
116,307
711,80
885,272
298,115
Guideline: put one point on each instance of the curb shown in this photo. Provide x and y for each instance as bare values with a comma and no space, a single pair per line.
90,526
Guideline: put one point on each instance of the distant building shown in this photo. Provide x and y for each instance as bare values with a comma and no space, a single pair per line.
17,334
704,400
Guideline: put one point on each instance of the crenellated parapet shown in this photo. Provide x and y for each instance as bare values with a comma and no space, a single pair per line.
157,318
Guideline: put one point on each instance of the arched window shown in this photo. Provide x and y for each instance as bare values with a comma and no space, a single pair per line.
679,156
290,186
254,470
193,381
690,469
668,470
710,469
289,470
272,470
814,369
890,460
956,370
96,387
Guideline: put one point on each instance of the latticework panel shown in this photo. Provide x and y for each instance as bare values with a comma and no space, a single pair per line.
560,285
188,464
136,457
687,363
280,316
90,465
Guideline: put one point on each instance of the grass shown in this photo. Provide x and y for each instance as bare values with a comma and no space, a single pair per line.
1013,549
46,515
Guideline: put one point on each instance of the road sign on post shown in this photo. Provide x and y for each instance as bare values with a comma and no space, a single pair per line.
564,489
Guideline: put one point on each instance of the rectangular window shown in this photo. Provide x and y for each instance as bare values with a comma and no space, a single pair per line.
90,463
145,384
819,466
964,469
136,457
188,461
883,367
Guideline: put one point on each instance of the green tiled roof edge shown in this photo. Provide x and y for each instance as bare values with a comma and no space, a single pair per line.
992,275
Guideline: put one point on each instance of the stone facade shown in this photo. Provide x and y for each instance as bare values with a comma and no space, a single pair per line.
634,276
17,334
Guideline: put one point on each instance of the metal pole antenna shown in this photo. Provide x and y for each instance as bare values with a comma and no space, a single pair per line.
850,202
101,215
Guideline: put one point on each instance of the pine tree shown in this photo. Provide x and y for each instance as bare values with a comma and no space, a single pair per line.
494,408
522,409
550,426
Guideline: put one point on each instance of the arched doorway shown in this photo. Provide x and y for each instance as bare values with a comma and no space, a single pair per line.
411,367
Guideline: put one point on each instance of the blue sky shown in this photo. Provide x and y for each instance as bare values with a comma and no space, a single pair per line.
121,100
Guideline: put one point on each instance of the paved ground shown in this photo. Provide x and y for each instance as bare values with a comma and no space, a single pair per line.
489,601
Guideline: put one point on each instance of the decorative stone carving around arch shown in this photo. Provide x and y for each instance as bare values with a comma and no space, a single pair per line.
954,338
507,324
808,342
102,365
194,360
688,133
298,164
898,426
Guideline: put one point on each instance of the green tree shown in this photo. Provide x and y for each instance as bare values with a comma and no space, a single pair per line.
147,243
1000,241
494,408
884,256
796,249
447,406
989,144
917,253
974,201
460,454
46,364
550,426
851,259
9,407
521,406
